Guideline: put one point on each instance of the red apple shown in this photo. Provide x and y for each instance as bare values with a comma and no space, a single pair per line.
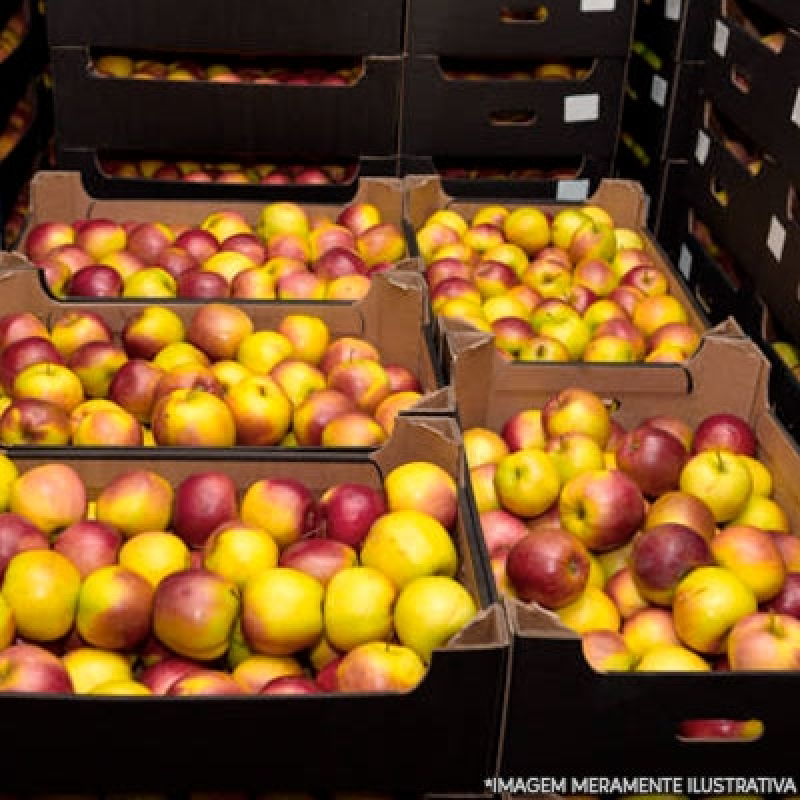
501,530
765,640
320,558
662,555
22,353
89,545
291,684
160,676
18,534
725,431
199,283
548,566
27,420
203,501
652,457
29,668
95,280
347,511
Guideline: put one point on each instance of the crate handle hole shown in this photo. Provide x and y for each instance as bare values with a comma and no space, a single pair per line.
719,729
719,192
526,16
740,79
523,118
793,204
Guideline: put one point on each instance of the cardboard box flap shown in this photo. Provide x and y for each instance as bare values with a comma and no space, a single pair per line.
728,372
488,625
535,620
60,195
624,199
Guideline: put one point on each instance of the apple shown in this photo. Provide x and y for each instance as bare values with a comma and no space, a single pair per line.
523,430
678,335
603,508
381,242
100,422
283,507
365,381
678,427
41,589
707,604
218,329
160,676
27,667
527,482
764,640
358,217
248,244
595,274
188,375
407,543
88,544
21,325
54,383
648,629
591,610
720,479
338,261
205,682
21,353
654,311
134,387
52,496
236,551
150,330
725,431
672,658
348,510
576,410
147,240
358,607
194,611
201,284
653,458
662,556
607,651
683,508
291,684
38,422
501,530
17,534
649,279
203,501
256,671
422,486
316,411
320,558
46,236
114,608
752,555
282,611
95,364
787,600
622,589
548,566
176,260
135,501
379,667
95,280
429,611
573,453
99,237
193,417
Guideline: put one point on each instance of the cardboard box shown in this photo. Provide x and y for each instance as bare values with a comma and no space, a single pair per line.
675,30
442,736
569,178
755,218
785,10
625,200
518,118
99,183
556,29
354,27
757,88
661,109
302,121
562,717
397,301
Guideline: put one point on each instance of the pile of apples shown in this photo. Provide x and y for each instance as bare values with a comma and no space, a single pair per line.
546,171
12,35
545,71
204,171
287,254
212,381
661,544
562,286
198,588
18,123
120,65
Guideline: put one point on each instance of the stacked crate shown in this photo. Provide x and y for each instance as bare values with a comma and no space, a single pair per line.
662,99
744,172
22,120
282,98
525,95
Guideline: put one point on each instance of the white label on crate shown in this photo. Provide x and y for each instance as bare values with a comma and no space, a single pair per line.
796,109
573,191
685,262
659,90
721,36
776,238
702,147
598,5
672,9
581,107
